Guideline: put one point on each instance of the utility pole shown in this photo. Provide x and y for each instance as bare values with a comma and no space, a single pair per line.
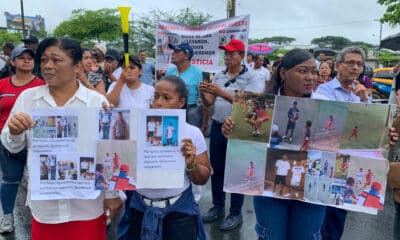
230,7
380,35
23,19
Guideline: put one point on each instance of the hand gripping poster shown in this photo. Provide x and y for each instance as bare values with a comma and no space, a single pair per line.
322,152
76,153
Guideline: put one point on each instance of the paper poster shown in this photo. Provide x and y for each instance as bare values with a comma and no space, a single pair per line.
322,152
204,40
160,162
56,166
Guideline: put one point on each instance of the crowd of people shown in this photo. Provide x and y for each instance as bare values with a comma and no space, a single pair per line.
58,72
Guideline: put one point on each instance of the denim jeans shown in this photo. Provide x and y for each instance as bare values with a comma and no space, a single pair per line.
334,221
12,166
396,223
175,226
218,144
287,219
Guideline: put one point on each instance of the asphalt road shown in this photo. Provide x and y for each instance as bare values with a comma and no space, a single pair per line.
358,225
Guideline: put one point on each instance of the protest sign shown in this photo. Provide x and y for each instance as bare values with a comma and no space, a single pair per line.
77,152
322,152
204,40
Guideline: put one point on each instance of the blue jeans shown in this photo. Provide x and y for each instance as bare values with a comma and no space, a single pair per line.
218,144
334,221
287,219
12,166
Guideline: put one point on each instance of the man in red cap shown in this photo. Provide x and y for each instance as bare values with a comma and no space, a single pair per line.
220,93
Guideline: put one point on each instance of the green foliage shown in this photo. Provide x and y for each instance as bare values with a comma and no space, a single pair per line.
144,28
87,26
334,42
275,40
387,58
13,37
392,15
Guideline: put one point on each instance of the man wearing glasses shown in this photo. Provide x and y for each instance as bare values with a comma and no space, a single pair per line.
220,93
344,87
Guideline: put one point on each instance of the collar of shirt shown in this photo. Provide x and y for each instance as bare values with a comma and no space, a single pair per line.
343,94
81,94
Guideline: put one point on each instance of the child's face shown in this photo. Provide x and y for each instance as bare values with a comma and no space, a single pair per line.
166,96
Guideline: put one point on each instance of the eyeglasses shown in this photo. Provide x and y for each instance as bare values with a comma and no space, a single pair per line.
352,63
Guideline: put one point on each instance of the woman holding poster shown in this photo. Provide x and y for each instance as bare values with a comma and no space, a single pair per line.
279,218
65,219
171,214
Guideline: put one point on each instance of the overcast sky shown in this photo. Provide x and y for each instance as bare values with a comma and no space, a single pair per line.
300,19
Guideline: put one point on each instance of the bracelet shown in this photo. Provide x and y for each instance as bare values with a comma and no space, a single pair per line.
193,168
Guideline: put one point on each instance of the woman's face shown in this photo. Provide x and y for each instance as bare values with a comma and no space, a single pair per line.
300,79
23,63
324,69
133,72
87,61
58,68
166,96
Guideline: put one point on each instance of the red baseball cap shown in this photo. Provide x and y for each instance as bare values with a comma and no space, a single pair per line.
376,185
124,167
233,45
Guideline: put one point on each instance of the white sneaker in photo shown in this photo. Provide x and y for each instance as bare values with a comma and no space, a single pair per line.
7,224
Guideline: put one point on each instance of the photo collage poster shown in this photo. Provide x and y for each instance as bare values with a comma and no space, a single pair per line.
160,162
76,152
323,152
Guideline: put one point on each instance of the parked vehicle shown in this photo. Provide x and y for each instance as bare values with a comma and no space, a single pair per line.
382,84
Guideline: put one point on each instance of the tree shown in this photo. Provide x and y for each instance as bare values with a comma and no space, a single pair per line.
13,37
387,58
275,40
87,26
392,15
144,28
280,40
333,42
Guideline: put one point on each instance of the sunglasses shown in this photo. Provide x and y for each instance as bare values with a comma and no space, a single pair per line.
228,83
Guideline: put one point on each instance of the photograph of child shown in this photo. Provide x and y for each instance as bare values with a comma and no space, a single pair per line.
328,128
296,123
365,127
285,173
252,113
116,165
154,131
244,174
170,129
86,168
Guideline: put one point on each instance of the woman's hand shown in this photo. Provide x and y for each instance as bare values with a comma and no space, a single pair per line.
19,123
227,127
189,152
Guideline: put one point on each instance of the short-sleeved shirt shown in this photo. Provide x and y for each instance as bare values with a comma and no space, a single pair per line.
199,142
283,167
137,98
9,94
148,73
192,77
244,81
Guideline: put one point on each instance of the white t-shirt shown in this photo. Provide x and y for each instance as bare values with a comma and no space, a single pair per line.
296,175
283,167
151,126
170,131
262,73
199,142
137,98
